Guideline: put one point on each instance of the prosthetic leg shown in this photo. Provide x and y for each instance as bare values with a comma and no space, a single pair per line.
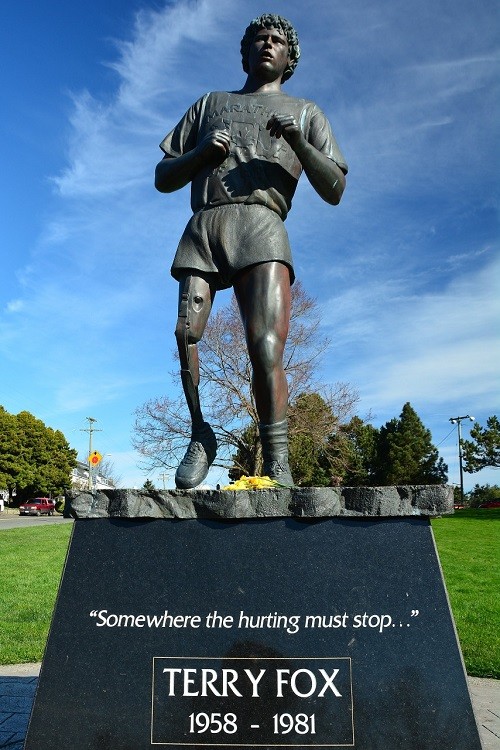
274,439
194,309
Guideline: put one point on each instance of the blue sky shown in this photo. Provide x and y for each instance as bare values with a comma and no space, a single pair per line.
406,269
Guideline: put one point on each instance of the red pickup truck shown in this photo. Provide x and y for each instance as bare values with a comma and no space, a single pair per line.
37,507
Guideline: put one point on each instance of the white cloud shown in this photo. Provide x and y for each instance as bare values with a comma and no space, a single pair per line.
83,393
15,306
109,149
433,347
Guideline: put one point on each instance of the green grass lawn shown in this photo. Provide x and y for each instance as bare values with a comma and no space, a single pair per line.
469,549
31,562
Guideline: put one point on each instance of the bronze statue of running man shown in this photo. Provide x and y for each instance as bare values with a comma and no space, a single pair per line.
243,153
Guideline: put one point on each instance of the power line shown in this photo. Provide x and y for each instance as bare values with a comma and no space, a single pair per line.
445,438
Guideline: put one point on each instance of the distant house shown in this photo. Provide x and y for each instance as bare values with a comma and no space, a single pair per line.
80,479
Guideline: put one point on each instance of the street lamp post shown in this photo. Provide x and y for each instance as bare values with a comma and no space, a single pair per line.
458,422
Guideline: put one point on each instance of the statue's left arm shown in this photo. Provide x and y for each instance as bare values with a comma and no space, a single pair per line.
326,177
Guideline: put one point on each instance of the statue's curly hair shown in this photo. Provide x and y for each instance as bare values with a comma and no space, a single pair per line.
268,21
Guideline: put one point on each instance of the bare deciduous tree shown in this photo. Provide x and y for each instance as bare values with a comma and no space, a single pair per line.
162,427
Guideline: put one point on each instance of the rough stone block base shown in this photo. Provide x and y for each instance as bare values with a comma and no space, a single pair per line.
301,502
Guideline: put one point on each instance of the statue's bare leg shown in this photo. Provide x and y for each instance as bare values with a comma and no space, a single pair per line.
263,294
195,302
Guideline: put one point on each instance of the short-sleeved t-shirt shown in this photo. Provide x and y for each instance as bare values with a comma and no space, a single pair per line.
259,169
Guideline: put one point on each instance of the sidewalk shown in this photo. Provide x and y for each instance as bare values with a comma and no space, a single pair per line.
17,690
18,685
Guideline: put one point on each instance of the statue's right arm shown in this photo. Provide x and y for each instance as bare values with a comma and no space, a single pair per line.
173,172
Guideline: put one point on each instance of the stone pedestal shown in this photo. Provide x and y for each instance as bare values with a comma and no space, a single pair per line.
209,620
299,502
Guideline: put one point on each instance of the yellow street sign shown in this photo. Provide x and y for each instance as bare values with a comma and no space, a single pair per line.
95,458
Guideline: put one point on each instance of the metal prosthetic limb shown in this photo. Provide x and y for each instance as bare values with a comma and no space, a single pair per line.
274,439
188,356
202,448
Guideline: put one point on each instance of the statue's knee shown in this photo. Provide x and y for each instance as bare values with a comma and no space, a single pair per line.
266,352
194,308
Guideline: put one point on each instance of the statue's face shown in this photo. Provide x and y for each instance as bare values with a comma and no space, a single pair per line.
268,54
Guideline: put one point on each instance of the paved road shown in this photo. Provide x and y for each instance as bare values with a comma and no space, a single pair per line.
15,521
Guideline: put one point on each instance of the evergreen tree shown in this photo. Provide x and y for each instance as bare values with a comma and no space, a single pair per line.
311,422
34,459
484,448
16,470
405,453
361,440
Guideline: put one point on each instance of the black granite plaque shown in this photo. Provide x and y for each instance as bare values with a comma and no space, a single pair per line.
268,633
252,700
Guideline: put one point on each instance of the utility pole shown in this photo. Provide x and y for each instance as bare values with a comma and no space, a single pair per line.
90,429
163,477
458,422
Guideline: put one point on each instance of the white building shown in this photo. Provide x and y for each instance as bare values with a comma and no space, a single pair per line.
80,478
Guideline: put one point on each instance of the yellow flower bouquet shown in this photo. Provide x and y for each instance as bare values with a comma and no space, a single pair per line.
252,483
